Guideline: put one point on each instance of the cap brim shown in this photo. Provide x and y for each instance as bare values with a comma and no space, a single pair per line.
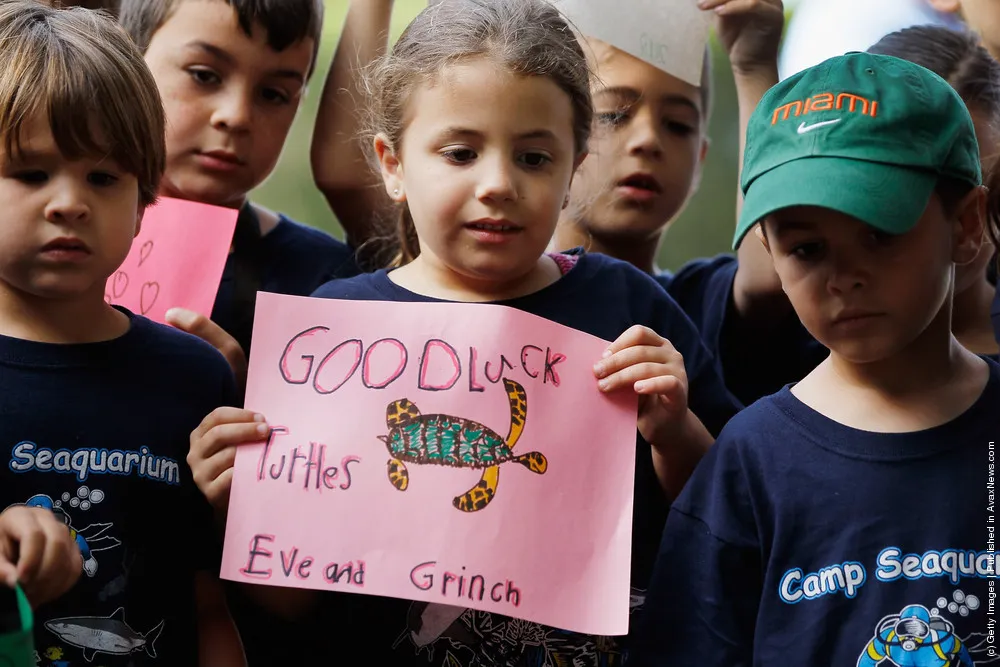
887,197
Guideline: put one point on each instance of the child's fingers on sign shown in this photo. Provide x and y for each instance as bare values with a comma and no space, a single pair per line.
637,355
229,415
213,449
670,387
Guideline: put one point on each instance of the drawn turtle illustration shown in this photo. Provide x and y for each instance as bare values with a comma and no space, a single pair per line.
457,442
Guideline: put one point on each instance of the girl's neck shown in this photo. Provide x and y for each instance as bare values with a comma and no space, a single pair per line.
427,276
84,319
639,253
971,319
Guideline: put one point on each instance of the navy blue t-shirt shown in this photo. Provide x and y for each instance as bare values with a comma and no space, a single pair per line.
603,297
292,259
98,434
995,313
801,541
753,364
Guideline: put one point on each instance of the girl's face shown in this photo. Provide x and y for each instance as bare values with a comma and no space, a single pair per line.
485,165
646,150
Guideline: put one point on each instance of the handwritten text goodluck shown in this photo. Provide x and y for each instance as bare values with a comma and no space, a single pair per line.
385,360
416,447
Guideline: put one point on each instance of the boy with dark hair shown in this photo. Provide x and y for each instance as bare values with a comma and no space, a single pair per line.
846,520
232,74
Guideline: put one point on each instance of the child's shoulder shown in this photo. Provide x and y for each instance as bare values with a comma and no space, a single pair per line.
602,276
296,250
161,345
292,235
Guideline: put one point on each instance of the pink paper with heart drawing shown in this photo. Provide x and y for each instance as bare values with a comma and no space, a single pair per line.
176,260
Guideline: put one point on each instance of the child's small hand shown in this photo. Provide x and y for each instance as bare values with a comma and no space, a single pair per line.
213,450
647,363
750,31
214,335
38,552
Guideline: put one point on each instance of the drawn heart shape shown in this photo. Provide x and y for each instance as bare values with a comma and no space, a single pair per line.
147,297
120,284
144,251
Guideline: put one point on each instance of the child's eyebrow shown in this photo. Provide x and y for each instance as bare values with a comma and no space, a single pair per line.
786,226
449,132
680,100
627,94
227,58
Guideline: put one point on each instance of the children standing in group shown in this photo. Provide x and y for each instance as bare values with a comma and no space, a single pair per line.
645,163
960,60
482,114
232,75
844,520
97,402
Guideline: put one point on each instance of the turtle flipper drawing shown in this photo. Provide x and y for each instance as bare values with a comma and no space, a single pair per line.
457,442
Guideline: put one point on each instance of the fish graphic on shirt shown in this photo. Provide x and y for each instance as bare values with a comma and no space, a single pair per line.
104,634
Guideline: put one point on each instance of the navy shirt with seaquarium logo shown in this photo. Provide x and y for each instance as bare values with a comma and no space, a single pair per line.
98,434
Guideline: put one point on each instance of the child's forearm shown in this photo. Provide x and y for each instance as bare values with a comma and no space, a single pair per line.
219,643
757,292
338,161
288,603
674,461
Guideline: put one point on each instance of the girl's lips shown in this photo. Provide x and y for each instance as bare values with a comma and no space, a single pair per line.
498,231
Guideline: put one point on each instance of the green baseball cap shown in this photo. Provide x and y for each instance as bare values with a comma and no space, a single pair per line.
867,135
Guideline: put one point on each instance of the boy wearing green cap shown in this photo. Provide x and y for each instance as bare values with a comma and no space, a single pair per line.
847,519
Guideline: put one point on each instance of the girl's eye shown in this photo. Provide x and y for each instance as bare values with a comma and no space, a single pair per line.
32,177
204,76
460,155
535,160
612,118
275,96
101,179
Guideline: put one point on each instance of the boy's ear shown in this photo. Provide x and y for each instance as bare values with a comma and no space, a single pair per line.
391,168
969,226
758,230
569,186
138,220
702,154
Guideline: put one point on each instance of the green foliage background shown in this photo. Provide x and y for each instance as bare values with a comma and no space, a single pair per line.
704,227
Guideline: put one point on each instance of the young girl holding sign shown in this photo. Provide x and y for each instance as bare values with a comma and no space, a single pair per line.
480,117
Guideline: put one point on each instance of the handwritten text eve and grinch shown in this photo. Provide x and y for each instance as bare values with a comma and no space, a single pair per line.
416,452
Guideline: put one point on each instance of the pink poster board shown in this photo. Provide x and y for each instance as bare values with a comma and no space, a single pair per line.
458,454
176,260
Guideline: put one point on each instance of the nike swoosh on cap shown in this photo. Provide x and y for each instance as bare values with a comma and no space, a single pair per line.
803,128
